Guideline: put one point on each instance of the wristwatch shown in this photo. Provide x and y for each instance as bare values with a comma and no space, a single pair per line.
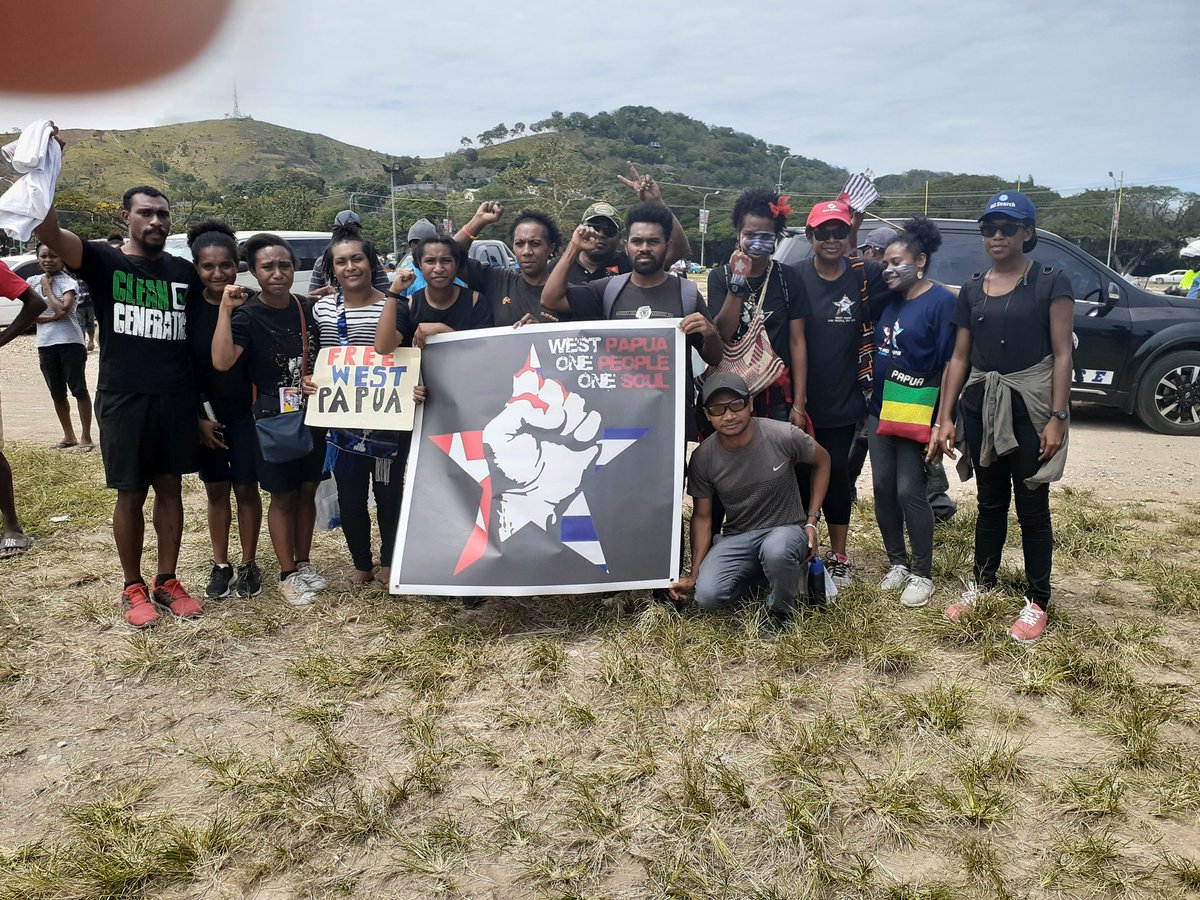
1061,414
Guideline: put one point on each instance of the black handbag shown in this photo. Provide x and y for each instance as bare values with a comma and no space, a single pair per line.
284,437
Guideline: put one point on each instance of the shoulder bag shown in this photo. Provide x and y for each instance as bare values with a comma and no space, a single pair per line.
284,437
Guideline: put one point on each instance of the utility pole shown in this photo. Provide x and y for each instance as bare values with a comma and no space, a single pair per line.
704,223
779,180
1115,226
392,170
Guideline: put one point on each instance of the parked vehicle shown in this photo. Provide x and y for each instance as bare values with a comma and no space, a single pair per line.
488,252
308,246
1135,349
23,266
1173,277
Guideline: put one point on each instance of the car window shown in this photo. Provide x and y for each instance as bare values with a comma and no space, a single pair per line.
1085,280
309,250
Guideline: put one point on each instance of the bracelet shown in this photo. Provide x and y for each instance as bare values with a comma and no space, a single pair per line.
809,525
797,408
467,233
390,293
935,426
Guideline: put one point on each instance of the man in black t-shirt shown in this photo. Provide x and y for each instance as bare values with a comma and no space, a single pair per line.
605,257
650,291
146,400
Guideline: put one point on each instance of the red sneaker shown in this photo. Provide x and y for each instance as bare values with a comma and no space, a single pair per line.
139,610
1030,624
171,596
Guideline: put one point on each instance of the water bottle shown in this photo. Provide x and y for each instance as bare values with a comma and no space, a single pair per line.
816,583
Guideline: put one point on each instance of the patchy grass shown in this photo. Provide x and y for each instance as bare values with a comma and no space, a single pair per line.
563,747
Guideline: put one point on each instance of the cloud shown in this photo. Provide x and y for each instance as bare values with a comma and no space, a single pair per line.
1065,91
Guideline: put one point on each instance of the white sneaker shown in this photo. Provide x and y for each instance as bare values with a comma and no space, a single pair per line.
918,591
897,577
309,575
295,591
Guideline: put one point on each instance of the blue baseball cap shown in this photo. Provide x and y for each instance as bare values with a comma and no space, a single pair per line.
1013,204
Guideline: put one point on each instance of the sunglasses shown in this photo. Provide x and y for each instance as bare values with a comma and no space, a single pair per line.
606,228
991,229
838,232
717,410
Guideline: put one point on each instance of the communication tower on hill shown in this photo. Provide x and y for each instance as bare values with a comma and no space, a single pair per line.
237,112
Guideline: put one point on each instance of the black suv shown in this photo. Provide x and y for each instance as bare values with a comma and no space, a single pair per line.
1134,349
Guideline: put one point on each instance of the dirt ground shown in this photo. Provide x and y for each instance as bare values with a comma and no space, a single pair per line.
382,747
1110,453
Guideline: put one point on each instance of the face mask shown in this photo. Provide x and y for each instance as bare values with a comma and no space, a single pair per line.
901,274
758,243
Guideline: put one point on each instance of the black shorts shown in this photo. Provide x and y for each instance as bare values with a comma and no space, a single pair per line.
87,316
63,368
238,463
282,478
143,436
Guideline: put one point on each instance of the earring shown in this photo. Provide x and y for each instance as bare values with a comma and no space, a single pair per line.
920,273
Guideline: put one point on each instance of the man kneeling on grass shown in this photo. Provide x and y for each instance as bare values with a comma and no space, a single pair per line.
766,537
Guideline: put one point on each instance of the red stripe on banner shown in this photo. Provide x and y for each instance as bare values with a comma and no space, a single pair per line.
485,502
473,444
472,553
443,440
533,400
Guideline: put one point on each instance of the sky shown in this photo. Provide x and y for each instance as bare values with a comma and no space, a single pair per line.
1066,90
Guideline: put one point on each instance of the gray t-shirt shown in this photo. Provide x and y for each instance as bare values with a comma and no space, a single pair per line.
663,301
756,484
60,331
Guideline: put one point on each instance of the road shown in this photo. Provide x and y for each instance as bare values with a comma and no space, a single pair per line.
1111,453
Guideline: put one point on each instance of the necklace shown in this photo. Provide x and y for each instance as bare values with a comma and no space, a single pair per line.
1007,298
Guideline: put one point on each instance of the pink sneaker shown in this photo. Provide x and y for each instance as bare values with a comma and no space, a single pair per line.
966,601
1029,625
139,610
171,596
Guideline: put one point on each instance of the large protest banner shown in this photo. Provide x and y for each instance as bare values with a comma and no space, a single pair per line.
546,459
359,388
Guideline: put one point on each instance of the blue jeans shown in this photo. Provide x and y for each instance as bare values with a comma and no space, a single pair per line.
737,563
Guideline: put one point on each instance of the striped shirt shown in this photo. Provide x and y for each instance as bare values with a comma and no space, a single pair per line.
360,322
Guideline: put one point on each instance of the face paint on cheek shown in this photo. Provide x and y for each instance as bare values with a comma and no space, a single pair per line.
901,274
758,245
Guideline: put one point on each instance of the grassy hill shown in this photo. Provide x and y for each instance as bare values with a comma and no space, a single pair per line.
218,152
259,175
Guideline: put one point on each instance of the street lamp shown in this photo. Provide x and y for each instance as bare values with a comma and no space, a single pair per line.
704,225
392,170
1115,225
779,180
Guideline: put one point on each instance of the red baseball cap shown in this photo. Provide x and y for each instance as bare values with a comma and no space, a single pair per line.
829,211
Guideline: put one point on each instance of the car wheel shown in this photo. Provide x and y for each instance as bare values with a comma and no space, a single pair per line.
1168,397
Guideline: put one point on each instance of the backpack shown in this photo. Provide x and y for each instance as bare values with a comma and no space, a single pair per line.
689,294
1043,287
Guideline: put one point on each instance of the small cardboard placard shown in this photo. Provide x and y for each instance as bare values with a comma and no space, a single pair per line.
359,388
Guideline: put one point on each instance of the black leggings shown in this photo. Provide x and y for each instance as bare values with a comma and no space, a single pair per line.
836,442
997,485
354,474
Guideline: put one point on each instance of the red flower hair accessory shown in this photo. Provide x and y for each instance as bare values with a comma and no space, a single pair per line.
783,208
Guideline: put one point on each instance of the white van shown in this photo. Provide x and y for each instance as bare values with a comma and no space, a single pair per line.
308,246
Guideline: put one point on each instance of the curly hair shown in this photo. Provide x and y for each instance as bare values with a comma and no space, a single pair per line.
919,235
553,235
757,202
212,233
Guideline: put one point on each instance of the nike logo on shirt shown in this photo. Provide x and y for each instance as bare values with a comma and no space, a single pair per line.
778,467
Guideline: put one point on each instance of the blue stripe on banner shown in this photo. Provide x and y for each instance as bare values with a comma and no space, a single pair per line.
625,434
577,528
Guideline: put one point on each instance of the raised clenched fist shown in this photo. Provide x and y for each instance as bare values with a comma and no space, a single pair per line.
540,445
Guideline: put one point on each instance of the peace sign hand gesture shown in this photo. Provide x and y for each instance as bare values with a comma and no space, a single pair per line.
644,186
